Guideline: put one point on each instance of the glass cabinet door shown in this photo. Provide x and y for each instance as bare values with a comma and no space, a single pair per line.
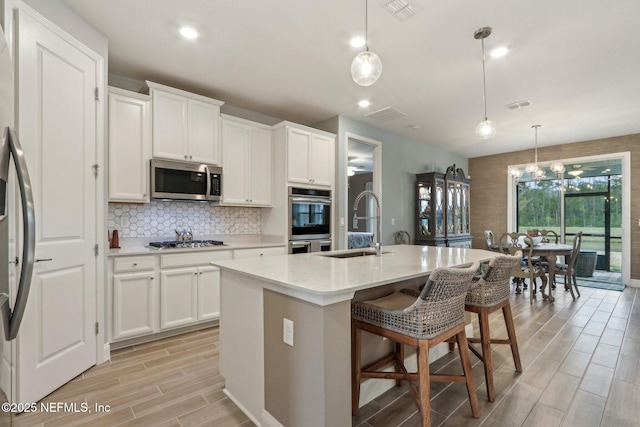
439,207
425,225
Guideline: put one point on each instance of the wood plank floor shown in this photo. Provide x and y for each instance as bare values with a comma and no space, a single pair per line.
171,382
580,359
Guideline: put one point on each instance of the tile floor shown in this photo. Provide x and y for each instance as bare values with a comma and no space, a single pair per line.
580,359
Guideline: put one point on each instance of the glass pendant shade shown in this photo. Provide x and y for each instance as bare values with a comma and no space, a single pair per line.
486,129
516,172
531,168
366,68
557,168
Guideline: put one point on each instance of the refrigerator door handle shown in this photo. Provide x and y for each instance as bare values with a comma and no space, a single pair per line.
12,320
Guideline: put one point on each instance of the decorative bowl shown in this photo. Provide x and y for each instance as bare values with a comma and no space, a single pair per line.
536,240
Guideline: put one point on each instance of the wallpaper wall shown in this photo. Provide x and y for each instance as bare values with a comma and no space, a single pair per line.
160,219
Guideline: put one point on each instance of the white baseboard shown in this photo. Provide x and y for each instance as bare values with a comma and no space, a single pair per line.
106,353
242,408
634,283
269,420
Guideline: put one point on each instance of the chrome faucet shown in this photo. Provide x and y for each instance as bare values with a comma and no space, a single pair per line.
378,244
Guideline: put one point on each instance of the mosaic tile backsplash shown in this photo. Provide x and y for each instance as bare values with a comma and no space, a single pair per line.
161,218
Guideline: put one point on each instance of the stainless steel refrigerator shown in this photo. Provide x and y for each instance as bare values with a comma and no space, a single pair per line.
13,169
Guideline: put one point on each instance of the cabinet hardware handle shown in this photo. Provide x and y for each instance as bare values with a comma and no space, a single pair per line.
43,259
135,264
186,157
150,278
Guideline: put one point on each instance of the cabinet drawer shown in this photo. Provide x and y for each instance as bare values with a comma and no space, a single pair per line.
257,252
133,263
193,258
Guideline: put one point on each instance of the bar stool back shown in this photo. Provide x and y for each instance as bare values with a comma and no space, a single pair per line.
435,316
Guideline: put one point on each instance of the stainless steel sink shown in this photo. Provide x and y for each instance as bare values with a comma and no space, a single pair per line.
354,254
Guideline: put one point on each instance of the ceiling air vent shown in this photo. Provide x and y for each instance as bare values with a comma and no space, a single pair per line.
386,114
519,104
401,9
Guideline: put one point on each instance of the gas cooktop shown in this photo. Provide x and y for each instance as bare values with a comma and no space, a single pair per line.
171,244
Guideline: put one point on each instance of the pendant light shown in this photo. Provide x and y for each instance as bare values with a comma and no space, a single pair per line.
366,67
486,129
534,170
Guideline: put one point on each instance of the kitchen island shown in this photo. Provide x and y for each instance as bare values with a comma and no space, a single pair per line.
307,383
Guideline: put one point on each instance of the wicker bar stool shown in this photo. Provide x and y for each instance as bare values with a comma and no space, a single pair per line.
488,294
435,316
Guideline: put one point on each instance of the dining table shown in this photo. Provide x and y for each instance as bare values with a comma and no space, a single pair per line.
550,252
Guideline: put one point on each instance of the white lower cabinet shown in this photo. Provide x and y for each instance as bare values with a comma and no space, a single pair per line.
189,295
134,297
135,306
178,297
155,293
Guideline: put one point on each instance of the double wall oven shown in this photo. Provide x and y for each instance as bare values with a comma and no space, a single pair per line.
309,220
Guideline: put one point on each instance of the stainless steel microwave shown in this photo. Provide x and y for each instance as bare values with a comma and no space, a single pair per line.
173,179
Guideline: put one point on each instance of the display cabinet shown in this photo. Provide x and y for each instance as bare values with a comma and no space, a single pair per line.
443,208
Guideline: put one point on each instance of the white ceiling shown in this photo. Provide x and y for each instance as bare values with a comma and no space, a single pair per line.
577,60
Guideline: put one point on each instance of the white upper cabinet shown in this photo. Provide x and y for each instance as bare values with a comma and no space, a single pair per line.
246,160
310,157
129,146
186,126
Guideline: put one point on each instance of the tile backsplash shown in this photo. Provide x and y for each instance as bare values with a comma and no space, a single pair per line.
161,218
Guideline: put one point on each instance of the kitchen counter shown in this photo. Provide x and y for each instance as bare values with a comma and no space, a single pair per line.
138,245
323,280
307,382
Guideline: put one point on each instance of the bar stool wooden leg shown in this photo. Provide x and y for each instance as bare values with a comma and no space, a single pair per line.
511,333
355,368
399,362
463,346
425,382
485,340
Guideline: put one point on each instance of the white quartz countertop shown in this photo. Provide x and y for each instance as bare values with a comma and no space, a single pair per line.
139,245
324,280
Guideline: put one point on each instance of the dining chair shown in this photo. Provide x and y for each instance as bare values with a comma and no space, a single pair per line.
568,270
402,237
529,268
549,236
487,294
431,318
491,241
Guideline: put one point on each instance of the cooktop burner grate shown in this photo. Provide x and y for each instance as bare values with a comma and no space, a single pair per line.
170,244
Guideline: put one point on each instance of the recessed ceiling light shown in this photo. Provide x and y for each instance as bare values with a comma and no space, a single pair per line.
188,33
499,51
364,103
357,42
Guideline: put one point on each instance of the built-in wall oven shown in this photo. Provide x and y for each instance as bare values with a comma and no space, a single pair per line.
309,220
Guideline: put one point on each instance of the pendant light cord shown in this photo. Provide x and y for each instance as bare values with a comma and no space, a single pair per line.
366,32
484,82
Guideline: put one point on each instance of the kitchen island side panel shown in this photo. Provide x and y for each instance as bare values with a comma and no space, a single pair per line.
242,343
307,384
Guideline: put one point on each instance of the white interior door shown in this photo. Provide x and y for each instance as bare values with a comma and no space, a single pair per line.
57,126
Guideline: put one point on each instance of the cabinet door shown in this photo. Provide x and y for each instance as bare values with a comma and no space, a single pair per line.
129,147
178,297
169,126
321,160
260,171
298,145
203,128
235,154
135,305
208,293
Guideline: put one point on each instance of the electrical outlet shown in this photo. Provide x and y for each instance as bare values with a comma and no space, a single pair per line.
287,331
393,221
341,221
